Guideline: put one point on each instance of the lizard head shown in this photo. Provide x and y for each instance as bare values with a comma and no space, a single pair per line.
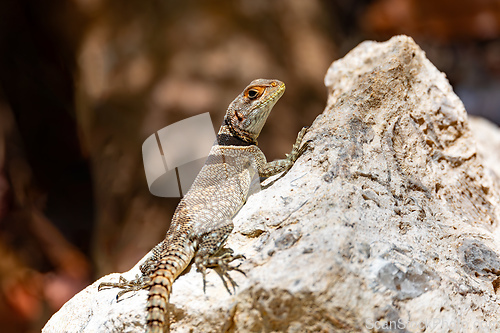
247,114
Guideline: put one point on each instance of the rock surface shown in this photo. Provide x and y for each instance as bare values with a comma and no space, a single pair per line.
389,223
487,136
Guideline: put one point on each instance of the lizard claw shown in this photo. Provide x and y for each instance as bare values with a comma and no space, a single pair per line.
138,283
299,148
221,264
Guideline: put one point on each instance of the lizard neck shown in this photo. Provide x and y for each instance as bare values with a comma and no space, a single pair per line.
227,136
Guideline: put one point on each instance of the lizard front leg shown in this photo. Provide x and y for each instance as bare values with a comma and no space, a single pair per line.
283,165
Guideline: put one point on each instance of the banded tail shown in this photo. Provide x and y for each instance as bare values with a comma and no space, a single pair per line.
169,267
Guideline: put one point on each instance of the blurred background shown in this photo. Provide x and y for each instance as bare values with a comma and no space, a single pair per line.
84,82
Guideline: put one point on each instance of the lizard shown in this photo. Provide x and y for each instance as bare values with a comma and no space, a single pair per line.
202,220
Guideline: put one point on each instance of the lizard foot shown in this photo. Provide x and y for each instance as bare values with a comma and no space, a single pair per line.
284,165
138,283
221,264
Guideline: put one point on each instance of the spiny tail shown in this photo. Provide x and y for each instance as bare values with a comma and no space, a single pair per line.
170,267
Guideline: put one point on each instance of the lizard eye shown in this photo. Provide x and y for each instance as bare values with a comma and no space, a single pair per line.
252,93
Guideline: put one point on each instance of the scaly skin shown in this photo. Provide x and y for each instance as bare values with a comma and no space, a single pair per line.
203,219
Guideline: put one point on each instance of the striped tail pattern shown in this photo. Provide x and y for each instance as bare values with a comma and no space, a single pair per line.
168,268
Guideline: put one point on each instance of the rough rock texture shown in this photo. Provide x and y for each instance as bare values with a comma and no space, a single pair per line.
487,136
389,223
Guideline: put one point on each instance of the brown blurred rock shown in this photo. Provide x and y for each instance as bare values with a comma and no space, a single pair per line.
33,252
443,20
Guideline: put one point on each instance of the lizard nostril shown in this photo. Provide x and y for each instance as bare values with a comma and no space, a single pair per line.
238,115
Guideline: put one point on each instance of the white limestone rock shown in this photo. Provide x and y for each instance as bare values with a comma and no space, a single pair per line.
388,222
487,137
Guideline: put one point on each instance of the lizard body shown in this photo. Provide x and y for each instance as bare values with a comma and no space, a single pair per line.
203,219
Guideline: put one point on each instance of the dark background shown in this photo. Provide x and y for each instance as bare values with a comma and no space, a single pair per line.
84,82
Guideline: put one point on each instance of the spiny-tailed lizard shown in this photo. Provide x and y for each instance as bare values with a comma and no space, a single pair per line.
203,219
